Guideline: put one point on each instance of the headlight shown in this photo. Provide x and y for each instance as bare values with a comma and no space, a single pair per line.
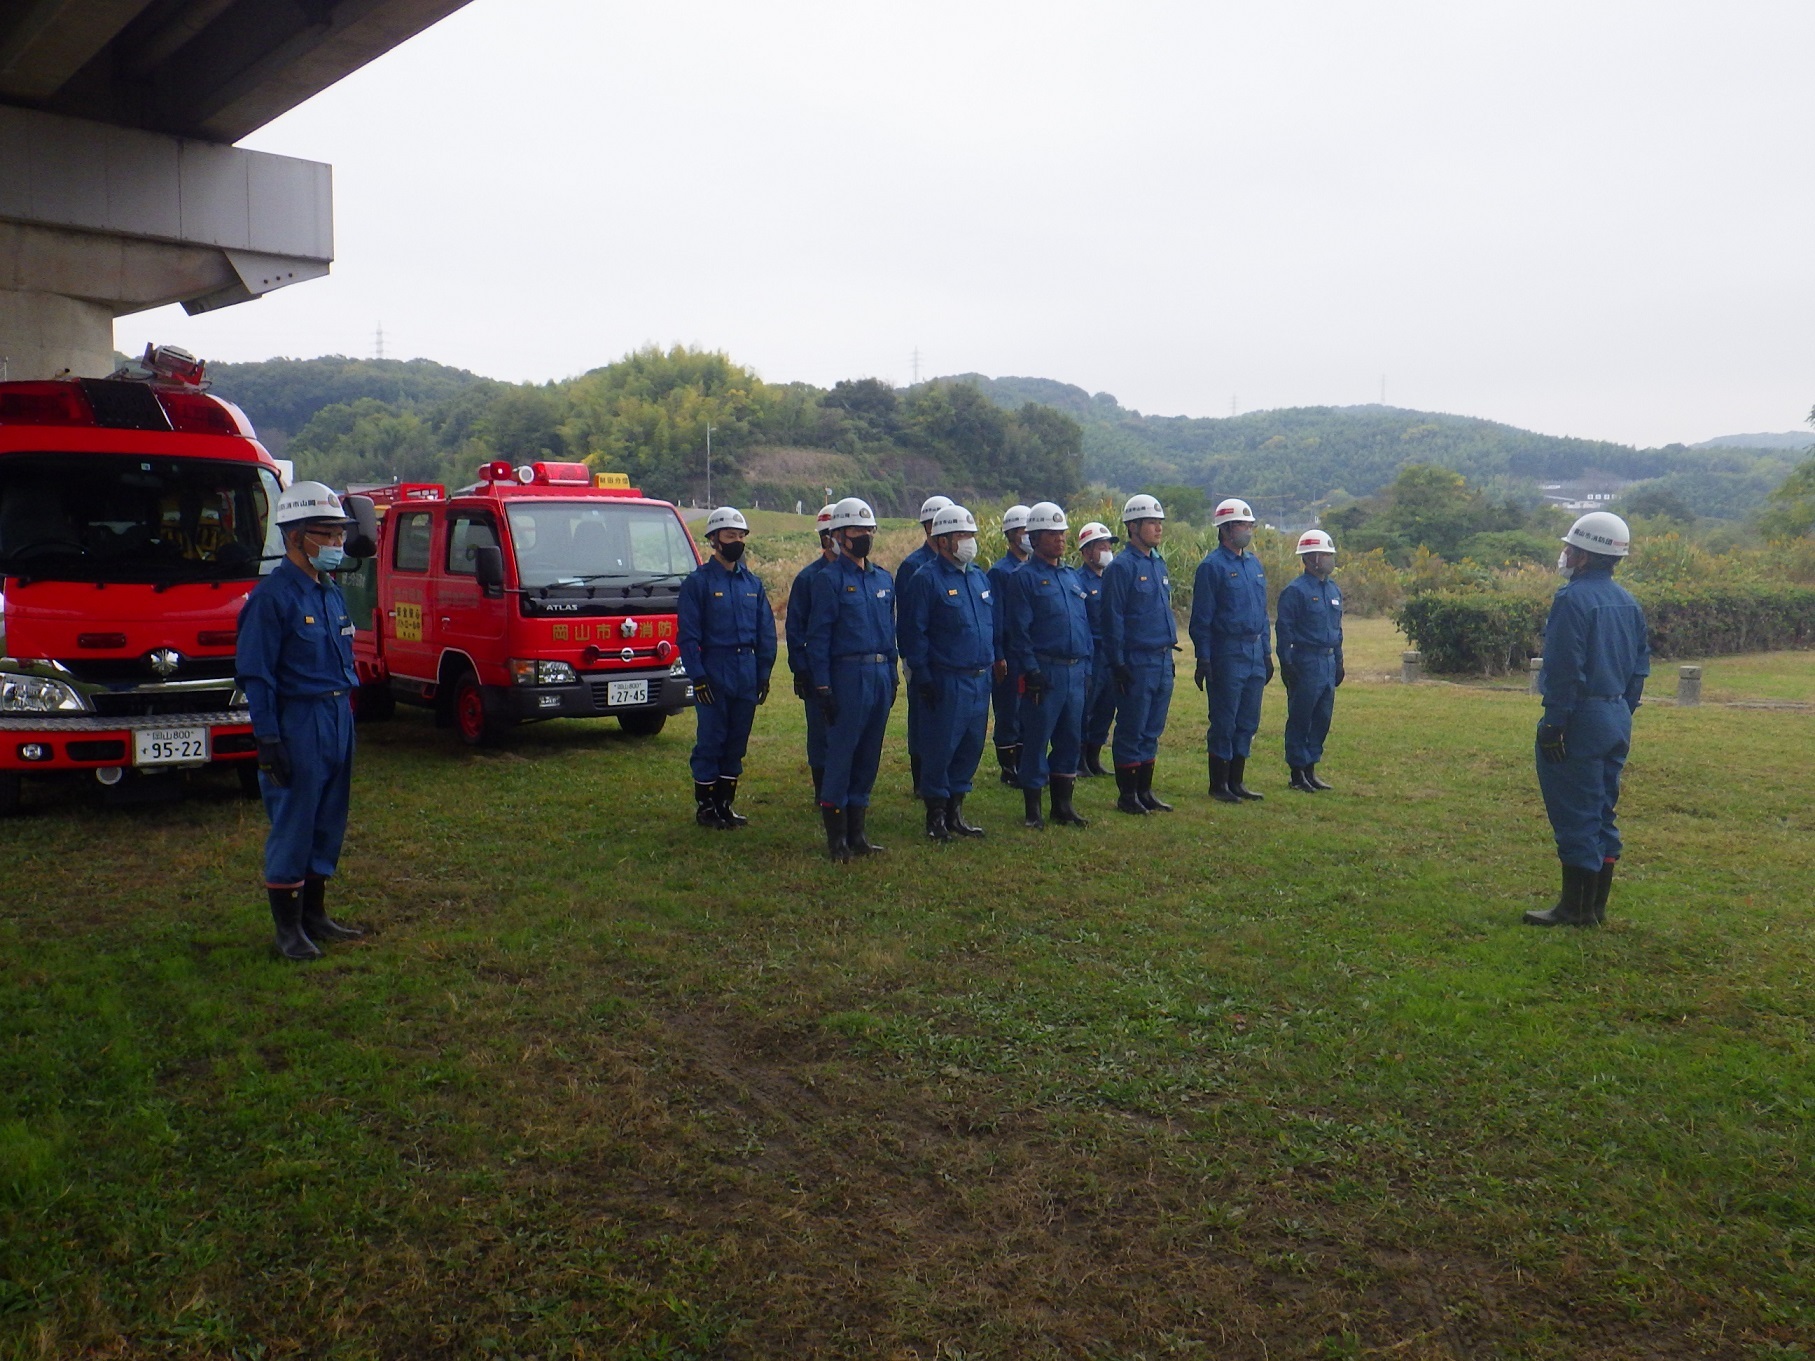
35,695
554,673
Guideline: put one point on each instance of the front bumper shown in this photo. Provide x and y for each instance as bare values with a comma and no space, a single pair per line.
591,697
87,742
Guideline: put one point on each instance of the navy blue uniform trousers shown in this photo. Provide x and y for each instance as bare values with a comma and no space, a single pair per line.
1310,702
952,732
309,816
865,692
1141,713
1055,720
1581,791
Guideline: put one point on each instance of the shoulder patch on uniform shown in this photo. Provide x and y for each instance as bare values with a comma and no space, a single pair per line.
952,591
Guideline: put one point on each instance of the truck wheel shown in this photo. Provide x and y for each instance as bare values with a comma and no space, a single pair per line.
473,717
9,792
374,703
642,722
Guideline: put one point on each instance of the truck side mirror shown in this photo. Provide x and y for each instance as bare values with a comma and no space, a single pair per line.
488,570
363,541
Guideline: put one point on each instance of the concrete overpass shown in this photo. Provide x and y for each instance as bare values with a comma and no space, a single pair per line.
120,189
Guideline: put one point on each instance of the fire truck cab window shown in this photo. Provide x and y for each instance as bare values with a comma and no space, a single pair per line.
414,541
581,541
467,533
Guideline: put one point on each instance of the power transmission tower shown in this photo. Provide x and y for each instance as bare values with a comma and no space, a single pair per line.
916,366
378,342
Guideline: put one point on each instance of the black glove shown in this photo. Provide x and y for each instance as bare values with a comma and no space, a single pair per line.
1124,678
1288,674
828,704
1550,742
702,692
274,761
929,694
1339,673
803,685
1202,678
1033,685
762,691
1269,661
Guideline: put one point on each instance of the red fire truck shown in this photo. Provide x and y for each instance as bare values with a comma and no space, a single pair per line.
134,521
541,591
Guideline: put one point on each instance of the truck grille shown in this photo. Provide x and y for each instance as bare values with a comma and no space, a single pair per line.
137,671
129,703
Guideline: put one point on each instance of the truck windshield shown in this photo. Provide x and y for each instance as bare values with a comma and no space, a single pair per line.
571,543
128,518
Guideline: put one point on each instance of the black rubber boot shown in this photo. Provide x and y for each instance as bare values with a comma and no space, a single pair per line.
1009,758
724,794
317,925
705,806
819,780
1316,781
286,915
954,818
853,832
1030,799
914,766
1603,885
1128,790
936,829
1092,763
1219,782
1063,787
1302,781
1575,906
1238,766
837,847
1152,802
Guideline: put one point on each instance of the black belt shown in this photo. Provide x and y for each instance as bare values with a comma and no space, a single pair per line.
1058,661
726,647
1318,651
863,657
964,670
1241,637
320,694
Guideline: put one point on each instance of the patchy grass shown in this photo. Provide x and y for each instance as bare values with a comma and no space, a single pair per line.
1280,1080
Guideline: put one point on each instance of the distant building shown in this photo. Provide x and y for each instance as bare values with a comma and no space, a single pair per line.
1594,492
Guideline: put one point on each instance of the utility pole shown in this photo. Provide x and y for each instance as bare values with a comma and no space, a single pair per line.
708,465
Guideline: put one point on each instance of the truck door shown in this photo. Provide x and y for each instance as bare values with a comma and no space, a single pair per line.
406,606
465,619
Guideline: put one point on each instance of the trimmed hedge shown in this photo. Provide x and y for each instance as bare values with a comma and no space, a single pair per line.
1489,632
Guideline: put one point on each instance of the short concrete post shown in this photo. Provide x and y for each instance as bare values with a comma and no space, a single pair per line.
1411,667
1535,666
1688,686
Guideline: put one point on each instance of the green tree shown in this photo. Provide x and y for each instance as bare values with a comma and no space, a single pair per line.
1190,504
1790,513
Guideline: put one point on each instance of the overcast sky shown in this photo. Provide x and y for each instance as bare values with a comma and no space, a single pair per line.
1587,218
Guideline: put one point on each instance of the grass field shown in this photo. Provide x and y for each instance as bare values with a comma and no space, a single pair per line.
1282,1080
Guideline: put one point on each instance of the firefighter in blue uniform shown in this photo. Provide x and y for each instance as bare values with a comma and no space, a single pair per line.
946,629
1006,693
800,596
1096,545
295,665
1049,643
904,576
1139,637
1234,659
727,634
851,644
1308,636
1597,654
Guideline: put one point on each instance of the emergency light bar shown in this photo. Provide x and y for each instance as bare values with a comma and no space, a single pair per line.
555,474
111,404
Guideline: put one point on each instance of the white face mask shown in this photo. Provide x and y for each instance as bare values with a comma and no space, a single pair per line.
965,550
1563,568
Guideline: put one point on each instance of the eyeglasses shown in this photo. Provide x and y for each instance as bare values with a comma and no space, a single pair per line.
327,536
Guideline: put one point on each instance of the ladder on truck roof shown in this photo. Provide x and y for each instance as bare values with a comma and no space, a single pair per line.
397,493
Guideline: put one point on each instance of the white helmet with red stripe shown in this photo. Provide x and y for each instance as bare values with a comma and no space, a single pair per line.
1234,511
823,520
1600,531
1315,541
1094,532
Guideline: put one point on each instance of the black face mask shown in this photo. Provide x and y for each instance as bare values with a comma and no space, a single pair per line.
858,545
731,552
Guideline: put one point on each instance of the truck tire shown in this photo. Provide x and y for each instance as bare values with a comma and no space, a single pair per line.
642,722
475,717
374,703
9,793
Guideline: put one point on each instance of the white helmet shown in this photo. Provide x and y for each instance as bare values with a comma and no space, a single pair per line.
1046,515
725,517
954,519
1234,511
1142,507
308,502
932,506
1315,541
853,513
1015,517
1094,532
1600,531
823,521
